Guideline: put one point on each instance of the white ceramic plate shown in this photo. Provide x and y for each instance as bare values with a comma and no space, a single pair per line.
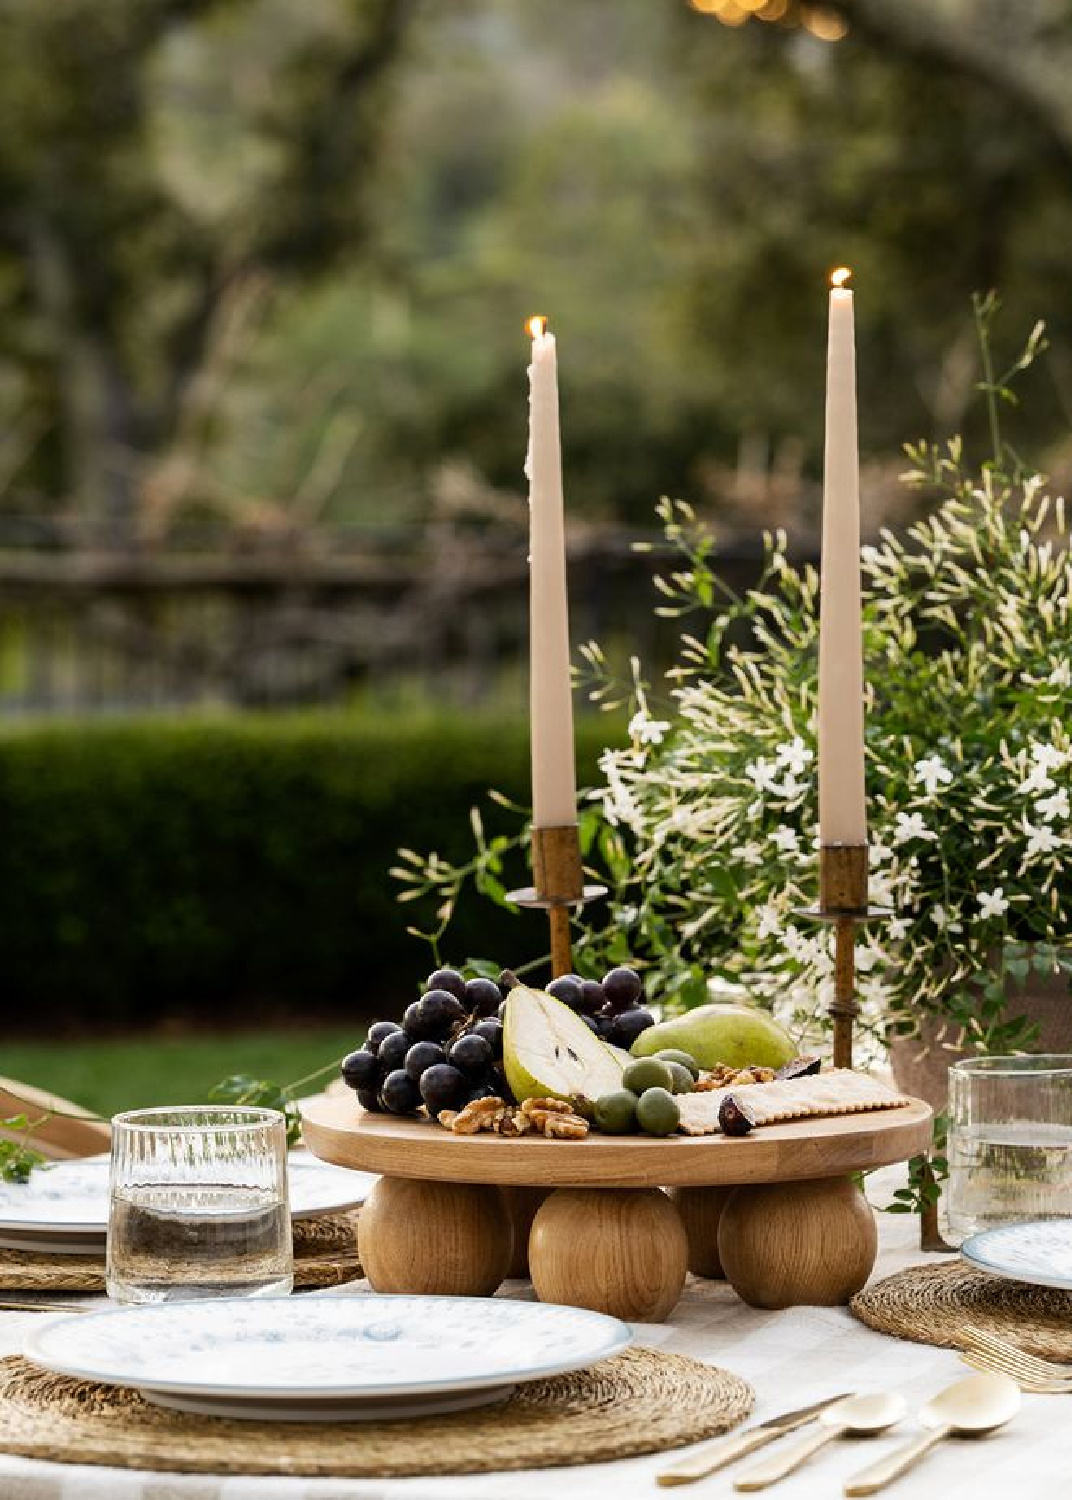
373,1410
295,1353
1039,1253
66,1206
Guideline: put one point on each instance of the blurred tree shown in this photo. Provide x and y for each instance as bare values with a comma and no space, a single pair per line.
930,177
123,265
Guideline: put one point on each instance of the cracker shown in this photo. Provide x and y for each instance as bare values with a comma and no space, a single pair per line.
838,1092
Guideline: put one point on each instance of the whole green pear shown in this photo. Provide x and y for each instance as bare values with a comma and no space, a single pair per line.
739,1035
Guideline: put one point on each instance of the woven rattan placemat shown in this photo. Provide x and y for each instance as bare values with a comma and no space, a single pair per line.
325,1254
642,1401
934,1304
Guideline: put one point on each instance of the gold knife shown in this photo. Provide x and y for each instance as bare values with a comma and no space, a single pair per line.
727,1450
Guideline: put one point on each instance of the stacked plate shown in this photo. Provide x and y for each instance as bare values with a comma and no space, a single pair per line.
326,1358
1038,1253
64,1210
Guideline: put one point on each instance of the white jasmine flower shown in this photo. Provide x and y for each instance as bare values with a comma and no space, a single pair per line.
787,839
770,923
932,773
1041,840
763,774
897,928
648,731
992,903
627,915
790,787
1061,676
748,854
911,826
1037,781
1056,806
1048,756
795,756
941,919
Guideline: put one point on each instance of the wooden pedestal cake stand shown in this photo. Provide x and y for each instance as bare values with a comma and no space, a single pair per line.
774,1212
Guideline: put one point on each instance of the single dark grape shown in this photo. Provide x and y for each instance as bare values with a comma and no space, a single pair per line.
471,1053
369,1099
483,995
443,1087
399,1094
569,989
360,1069
594,1023
593,997
622,988
411,1021
379,1031
492,1032
421,1056
440,1012
483,1091
604,1026
392,1053
449,980
625,1029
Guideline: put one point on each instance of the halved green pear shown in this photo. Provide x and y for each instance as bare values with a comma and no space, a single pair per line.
549,1053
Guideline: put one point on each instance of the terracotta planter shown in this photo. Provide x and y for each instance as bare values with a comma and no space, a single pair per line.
920,1064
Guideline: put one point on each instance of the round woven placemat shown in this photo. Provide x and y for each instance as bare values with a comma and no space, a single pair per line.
641,1401
933,1305
325,1254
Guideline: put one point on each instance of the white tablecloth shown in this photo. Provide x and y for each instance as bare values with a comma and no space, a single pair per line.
791,1358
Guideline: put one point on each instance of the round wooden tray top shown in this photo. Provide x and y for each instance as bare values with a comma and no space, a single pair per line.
340,1131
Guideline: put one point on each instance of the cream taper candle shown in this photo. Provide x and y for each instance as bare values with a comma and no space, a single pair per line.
842,814
554,781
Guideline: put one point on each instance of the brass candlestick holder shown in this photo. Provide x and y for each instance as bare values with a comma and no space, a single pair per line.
559,887
843,903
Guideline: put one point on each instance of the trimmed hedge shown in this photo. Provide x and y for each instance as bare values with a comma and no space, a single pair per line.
209,865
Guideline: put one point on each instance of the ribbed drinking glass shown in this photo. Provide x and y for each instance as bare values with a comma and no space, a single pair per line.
199,1205
1010,1141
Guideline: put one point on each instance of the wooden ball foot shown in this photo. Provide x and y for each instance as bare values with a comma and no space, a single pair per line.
791,1244
616,1251
438,1238
701,1210
522,1204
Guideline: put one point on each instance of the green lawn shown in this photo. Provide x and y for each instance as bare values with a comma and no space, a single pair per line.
134,1072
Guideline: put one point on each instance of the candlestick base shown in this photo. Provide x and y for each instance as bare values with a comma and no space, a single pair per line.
843,902
559,887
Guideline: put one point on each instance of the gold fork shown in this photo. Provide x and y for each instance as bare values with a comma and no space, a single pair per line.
989,1352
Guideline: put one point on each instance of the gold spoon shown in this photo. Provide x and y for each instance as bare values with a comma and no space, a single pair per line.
859,1416
969,1408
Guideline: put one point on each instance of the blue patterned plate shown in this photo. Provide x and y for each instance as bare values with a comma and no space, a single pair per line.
65,1207
241,1355
1039,1253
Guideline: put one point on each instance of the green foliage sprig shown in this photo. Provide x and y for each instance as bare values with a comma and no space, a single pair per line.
18,1158
265,1093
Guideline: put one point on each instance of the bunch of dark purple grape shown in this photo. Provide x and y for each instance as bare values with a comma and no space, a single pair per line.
446,1053
611,1006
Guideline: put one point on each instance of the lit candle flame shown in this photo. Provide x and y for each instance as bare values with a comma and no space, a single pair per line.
839,277
536,326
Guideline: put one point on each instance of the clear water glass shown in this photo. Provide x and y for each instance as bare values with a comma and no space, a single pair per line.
1010,1141
199,1205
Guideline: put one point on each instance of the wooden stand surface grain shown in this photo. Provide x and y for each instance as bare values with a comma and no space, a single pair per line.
776,1211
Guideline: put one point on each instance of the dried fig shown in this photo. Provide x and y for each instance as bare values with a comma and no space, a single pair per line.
735,1117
